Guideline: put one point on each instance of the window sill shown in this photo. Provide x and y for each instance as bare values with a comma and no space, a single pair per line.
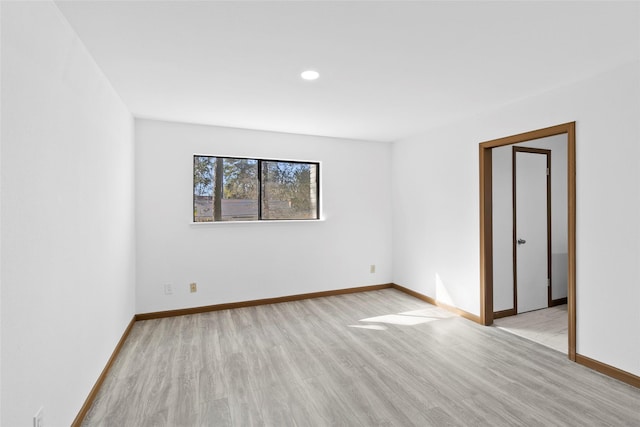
263,221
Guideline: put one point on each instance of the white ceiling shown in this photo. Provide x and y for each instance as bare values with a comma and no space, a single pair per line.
388,69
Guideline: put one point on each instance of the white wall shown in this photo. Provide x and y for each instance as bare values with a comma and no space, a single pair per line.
68,248
436,208
1,32
247,261
502,165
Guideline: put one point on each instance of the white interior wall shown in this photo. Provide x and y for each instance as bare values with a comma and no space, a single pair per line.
234,262
68,248
436,207
502,166
1,32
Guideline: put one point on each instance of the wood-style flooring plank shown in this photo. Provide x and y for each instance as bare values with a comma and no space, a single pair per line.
380,358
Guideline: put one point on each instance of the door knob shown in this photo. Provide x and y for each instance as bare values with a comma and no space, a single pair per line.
521,241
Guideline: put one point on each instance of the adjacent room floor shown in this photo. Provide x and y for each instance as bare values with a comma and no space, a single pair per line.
548,326
374,358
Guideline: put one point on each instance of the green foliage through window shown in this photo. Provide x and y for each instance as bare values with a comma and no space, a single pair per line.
240,189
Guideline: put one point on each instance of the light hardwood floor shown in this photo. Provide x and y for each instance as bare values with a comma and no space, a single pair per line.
548,326
378,358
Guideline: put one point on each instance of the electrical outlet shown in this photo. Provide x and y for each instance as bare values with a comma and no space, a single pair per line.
38,418
372,268
193,287
168,289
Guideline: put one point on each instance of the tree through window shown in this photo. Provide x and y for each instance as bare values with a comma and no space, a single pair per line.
240,189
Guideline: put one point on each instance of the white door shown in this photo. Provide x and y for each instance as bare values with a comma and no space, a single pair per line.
531,232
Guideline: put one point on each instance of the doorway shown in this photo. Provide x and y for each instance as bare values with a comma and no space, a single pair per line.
531,242
486,224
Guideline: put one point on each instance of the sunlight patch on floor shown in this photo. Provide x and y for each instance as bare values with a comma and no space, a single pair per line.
399,319
374,327
407,318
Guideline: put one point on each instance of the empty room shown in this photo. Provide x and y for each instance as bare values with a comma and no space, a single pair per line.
315,213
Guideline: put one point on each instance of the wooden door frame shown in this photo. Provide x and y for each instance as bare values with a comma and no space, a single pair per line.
486,222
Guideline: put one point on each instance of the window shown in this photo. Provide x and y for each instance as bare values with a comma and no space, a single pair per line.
240,189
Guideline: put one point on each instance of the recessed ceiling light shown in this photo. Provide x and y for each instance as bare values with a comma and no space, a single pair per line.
310,75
